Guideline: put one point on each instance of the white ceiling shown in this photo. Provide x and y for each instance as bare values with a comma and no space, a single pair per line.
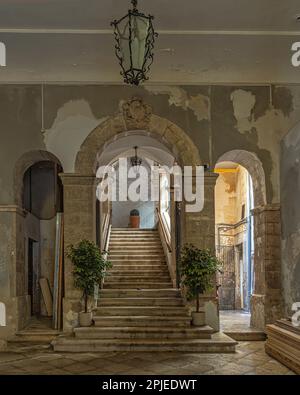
211,41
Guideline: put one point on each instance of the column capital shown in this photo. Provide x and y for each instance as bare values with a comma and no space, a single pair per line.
10,208
77,179
267,207
210,177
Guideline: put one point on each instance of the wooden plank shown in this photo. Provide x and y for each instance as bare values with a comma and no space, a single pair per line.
60,278
47,295
56,287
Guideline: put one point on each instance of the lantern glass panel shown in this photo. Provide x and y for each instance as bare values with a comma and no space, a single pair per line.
140,28
123,32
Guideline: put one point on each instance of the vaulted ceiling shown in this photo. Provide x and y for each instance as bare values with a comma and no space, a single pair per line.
201,41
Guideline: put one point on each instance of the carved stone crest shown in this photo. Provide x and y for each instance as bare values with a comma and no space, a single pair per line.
136,113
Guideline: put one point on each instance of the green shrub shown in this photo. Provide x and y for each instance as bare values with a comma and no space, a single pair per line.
198,268
89,267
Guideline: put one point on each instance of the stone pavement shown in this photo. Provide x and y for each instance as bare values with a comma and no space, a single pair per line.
250,359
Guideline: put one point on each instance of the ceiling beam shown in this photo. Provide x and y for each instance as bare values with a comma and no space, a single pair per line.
161,32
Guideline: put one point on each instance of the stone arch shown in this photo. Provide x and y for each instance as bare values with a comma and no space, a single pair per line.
2,314
135,115
23,163
110,153
251,162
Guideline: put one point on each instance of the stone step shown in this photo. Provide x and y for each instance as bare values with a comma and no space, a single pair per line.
132,239
137,285
136,272
135,242
151,254
140,311
141,301
134,249
134,231
246,335
128,235
132,256
140,293
136,279
128,229
142,320
139,269
35,336
219,343
139,262
204,332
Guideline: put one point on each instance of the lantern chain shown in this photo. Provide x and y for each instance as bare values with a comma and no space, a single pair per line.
134,3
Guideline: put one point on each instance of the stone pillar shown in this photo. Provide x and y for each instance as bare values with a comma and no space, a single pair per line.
173,233
79,223
13,280
266,301
199,230
199,227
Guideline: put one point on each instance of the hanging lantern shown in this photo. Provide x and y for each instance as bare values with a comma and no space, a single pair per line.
136,161
135,36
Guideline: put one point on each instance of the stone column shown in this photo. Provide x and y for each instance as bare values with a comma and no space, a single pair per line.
13,281
173,233
79,223
266,301
199,230
199,227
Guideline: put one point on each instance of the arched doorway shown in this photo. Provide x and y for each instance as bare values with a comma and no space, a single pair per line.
265,304
80,187
151,154
39,195
234,241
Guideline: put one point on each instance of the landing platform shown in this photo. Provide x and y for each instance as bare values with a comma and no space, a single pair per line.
38,330
236,324
219,343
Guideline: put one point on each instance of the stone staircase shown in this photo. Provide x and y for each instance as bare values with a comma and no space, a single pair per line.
139,310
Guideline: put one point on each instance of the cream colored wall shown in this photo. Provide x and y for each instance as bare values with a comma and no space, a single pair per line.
225,197
241,192
230,195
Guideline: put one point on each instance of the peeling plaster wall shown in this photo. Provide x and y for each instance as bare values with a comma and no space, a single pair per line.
20,131
290,191
217,118
72,125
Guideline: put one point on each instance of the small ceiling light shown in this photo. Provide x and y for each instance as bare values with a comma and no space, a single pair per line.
136,161
135,36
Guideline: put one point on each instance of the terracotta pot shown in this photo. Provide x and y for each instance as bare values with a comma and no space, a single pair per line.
134,221
198,318
85,319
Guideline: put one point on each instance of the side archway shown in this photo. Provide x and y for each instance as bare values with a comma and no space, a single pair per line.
253,165
266,297
23,164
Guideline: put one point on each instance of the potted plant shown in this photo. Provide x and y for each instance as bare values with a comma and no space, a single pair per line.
134,218
198,268
89,269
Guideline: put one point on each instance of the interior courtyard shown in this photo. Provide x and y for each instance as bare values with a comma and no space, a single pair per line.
216,99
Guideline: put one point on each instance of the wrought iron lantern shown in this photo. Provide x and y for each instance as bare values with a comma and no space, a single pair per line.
135,36
136,161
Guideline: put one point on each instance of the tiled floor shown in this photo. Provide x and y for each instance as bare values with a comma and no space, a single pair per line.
250,358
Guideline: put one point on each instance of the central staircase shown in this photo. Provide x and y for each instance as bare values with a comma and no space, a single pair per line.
139,310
